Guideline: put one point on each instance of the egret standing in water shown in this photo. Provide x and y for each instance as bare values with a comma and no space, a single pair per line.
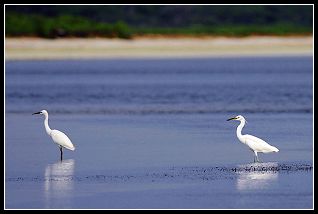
254,143
57,136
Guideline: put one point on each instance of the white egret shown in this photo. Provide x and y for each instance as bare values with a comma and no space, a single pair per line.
254,143
58,137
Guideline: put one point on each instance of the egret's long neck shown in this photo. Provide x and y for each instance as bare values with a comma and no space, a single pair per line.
239,130
46,125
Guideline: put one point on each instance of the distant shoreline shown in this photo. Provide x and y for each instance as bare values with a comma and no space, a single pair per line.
156,47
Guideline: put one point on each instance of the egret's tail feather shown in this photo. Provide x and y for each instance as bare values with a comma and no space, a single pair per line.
275,149
70,147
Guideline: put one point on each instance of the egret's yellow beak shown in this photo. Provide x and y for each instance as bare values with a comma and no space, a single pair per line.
233,118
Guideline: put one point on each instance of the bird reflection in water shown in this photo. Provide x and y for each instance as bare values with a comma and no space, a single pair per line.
59,183
256,176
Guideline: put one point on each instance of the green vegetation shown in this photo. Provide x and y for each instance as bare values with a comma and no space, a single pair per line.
62,26
228,30
128,21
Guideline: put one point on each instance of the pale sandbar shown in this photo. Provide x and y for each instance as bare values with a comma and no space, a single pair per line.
156,47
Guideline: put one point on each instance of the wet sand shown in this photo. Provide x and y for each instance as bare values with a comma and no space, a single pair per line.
251,186
156,47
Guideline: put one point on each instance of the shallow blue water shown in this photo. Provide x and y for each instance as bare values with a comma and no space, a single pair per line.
231,85
149,133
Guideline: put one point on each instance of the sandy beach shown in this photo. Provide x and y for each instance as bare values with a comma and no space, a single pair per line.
156,47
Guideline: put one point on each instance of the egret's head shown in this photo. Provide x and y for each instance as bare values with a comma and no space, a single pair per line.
238,117
41,112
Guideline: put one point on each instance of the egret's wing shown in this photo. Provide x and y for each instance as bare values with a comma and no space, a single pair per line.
61,139
258,144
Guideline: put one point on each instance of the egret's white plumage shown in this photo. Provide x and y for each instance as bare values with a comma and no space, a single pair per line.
254,143
58,137
61,139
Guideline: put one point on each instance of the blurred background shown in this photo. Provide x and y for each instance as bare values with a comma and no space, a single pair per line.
128,21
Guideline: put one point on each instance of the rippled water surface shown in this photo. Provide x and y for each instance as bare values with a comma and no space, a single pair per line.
161,86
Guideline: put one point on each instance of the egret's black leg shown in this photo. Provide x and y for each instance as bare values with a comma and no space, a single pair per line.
61,153
256,156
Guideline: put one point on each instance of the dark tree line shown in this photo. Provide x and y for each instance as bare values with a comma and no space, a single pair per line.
125,21
178,15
